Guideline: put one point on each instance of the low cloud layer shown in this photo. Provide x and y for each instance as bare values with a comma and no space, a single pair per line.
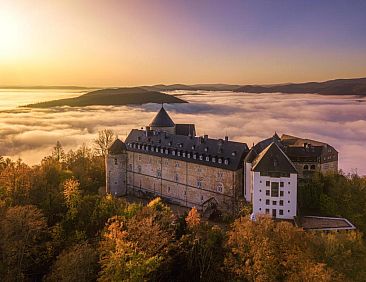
337,120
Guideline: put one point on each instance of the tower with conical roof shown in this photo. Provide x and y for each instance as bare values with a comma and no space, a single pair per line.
162,122
116,169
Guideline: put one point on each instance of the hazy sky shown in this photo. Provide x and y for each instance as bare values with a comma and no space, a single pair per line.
121,42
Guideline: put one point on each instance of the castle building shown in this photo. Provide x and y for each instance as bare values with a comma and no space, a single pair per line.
169,160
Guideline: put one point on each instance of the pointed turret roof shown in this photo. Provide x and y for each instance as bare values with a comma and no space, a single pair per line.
118,147
162,119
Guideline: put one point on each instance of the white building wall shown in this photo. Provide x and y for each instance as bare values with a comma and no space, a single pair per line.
266,204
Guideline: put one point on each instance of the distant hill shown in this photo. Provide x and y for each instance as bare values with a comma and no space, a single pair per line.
194,87
113,97
356,86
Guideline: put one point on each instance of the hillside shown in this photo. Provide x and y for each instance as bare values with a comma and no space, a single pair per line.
112,97
355,86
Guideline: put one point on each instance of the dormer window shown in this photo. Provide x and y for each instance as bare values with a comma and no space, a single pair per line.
233,154
219,161
166,151
193,147
180,145
207,159
161,150
188,155
201,157
206,149
195,156
157,149
184,154
178,153
226,162
213,159
173,152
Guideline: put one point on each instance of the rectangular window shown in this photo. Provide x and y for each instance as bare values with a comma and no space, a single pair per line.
281,212
281,202
115,161
274,203
267,202
281,193
274,189
267,192
199,184
267,183
267,211
281,184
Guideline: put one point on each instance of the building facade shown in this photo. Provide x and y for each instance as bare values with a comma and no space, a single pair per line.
169,160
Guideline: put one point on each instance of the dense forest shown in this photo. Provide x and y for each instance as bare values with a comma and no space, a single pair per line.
56,225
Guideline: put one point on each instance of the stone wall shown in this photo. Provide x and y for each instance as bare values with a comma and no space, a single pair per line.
184,183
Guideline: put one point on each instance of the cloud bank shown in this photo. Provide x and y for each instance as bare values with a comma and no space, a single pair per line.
337,120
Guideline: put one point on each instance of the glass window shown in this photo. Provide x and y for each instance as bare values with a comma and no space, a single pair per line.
115,161
281,212
267,202
281,202
281,184
268,183
274,189
267,192
267,211
281,193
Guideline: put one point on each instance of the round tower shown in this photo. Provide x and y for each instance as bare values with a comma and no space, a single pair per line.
116,169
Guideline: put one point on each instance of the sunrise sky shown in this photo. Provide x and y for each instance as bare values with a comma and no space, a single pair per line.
121,43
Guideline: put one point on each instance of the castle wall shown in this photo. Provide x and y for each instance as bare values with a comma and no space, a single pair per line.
184,183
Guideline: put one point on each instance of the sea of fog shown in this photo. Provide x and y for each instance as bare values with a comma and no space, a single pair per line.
338,120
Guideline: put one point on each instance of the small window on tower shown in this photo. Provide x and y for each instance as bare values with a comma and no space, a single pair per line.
115,161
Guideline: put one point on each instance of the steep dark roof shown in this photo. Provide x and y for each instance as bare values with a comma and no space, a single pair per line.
273,159
185,129
202,150
118,147
162,119
260,146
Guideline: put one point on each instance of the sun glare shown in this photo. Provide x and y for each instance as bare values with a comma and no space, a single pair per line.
11,35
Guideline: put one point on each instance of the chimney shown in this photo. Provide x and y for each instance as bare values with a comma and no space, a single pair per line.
205,137
226,138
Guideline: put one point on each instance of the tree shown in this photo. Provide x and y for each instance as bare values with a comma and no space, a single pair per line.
23,242
193,218
78,263
58,152
265,250
104,140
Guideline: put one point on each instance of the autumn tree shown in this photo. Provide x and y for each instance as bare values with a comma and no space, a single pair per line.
78,263
266,250
24,243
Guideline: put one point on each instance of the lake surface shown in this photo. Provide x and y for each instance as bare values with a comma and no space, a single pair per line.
338,120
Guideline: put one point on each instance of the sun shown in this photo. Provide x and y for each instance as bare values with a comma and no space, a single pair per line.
11,35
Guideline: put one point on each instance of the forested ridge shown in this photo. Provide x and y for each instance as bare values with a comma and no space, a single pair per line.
55,225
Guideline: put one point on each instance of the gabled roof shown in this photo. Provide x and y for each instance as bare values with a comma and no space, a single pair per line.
260,146
118,147
273,159
162,119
